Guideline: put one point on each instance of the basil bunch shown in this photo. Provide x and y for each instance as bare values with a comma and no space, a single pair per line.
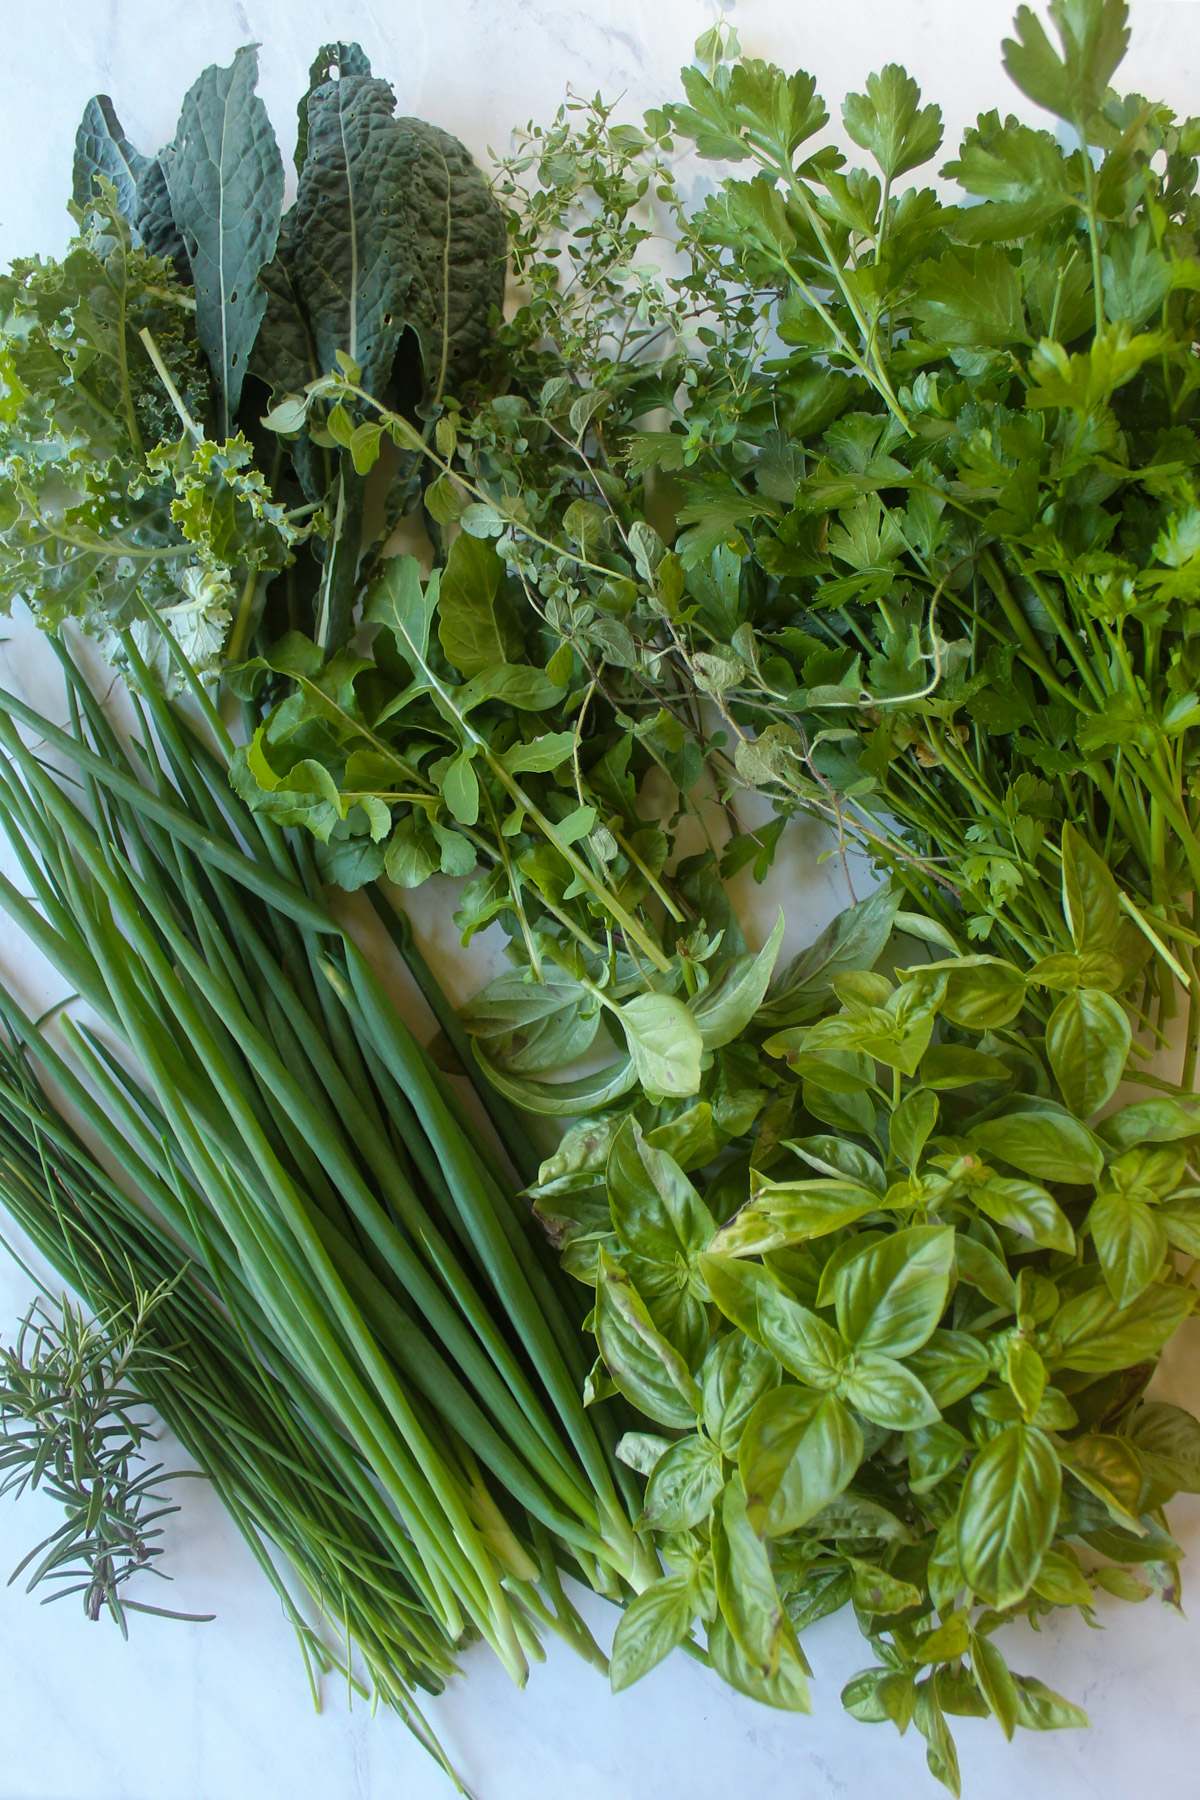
891,1350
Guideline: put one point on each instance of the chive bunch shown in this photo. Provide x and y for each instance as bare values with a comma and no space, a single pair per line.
354,1244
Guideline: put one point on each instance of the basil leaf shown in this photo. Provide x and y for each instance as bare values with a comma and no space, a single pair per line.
892,1295
980,1268
792,1212
1168,1439
724,1008
840,1158
798,1451
1047,1143
561,1099
650,1627
1087,1044
735,1287
225,178
877,1591
950,1365
853,940
737,1372
1131,1242
1026,1208
528,1027
664,1043
886,1392
655,1208
1090,896
785,1686
1061,1580
1111,1469
683,1485
982,993
804,1344
1039,1708
995,1683
692,1137
1164,1119
746,1591
645,1367
1008,1512
946,1066
911,1124
1091,1333
943,1572
641,1450
934,1451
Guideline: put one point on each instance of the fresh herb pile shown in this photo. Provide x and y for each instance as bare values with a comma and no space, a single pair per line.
877,506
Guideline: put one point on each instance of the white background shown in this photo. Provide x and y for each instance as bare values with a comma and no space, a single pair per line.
222,1711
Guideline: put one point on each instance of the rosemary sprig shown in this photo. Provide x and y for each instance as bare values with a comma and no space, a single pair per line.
73,1423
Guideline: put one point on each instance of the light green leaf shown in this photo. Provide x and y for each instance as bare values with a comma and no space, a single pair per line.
475,625
798,1451
1008,1513
885,1391
786,1213
911,1124
1025,1207
724,1009
889,121
1131,1242
804,1344
950,1365
1087,1044
645,1367
1091,1333
737,1373
664,1043
683,1485
650,1627
1046,1142
891,1296
654,1206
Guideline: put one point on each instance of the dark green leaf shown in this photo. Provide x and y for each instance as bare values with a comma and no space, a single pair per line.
889,121
226,185
971,297
101,148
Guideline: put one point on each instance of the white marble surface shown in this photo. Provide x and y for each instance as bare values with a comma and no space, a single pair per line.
222,1711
